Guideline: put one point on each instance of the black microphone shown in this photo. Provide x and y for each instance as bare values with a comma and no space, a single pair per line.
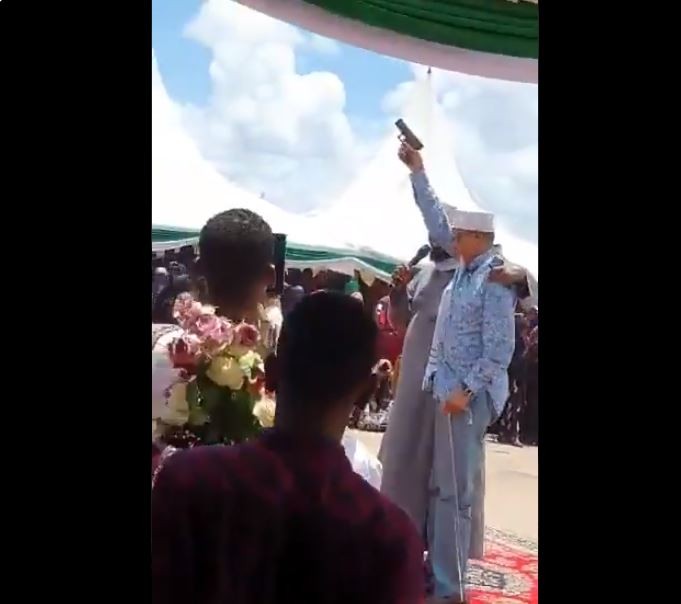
424,250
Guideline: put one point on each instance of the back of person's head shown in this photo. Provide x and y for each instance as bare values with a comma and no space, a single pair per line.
293,276
176,269
326,352
290,297
236,251
307,280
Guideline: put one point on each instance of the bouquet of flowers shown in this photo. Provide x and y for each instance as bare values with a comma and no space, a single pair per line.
219,396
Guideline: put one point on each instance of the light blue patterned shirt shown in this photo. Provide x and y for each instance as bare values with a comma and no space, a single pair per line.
475,329
433,213
474,335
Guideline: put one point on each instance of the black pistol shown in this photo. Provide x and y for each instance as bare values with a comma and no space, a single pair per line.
407,136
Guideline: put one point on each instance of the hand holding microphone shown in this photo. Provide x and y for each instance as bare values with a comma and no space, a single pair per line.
401,276
404,274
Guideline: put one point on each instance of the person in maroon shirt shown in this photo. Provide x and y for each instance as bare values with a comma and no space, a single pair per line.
283,518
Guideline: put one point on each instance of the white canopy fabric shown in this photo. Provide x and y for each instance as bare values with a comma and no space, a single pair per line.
375,216
187,190
379,209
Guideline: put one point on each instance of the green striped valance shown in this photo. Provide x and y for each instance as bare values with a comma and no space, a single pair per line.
308,255
489,38
164,235
492,26
163,238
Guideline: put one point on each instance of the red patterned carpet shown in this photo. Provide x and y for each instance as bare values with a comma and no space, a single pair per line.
507,575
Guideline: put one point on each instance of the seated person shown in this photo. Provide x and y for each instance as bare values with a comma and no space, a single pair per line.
283,517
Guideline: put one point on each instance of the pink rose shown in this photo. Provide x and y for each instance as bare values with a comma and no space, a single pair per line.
205,325
186,310
215,332
246,335
224,333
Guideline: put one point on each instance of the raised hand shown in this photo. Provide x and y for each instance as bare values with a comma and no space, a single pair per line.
410,157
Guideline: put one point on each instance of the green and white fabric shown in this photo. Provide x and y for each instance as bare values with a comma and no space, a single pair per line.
371,227
371,266
378,208
490,38
187,190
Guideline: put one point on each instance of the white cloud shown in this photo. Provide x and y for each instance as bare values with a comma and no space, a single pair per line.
496,142
272,129
187,189
266,126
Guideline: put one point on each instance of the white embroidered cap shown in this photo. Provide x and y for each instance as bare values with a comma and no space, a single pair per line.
482,222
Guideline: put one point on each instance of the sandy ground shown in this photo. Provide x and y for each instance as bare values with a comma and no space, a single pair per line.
512,479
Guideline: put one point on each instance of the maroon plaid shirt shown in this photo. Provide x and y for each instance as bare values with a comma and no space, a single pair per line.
278,519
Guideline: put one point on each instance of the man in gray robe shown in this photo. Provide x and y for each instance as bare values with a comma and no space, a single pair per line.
407,446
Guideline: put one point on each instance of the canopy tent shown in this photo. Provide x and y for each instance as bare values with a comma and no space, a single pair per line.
187,190
373,226
490,38
297,255
382,195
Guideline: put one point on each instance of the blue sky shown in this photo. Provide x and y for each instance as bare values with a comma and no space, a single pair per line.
281,111
184,63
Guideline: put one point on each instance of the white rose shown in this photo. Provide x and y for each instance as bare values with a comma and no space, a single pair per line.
225,371
264,410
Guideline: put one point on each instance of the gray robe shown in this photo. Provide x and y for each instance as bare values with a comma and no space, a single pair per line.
407,446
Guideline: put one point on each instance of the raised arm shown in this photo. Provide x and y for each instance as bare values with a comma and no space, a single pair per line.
498,338
433,213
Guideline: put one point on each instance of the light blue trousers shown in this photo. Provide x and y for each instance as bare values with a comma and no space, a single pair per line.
448,548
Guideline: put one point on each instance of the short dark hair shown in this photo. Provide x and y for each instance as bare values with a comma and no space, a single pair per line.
326,348
236,247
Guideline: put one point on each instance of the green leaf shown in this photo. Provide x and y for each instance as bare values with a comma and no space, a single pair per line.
192,394
230,413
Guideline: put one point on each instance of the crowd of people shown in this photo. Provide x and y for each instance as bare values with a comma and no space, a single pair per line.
300,512
519,423
171,277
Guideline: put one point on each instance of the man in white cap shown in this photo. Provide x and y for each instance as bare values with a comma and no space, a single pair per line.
407,445
466,374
